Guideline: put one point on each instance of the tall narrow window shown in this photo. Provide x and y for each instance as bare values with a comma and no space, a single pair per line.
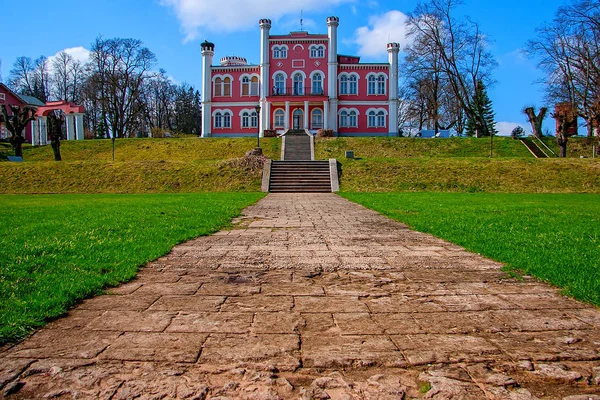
245,86
227,86
254,120
317,119
372,120
218,120
226,120
381,84
279,119
343,84
298,84
353,84
279,84
317,84
372,85
352,119
381,119
245,120
321,51
344,118
218,87
254,86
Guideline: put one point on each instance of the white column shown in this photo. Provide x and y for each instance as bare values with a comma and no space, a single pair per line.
69,120
265,26
208,51
35,133
42,132
332,71
268,115
393,50
286,124
325,114
79,126
306,126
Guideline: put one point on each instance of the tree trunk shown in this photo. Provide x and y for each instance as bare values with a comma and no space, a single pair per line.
562,143
56,149
17,145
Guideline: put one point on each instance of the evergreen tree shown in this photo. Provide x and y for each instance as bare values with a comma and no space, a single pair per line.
481,123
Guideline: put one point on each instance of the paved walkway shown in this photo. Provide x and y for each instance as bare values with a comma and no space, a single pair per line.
312,297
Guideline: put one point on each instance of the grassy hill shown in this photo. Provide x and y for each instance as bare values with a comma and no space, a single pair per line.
182,165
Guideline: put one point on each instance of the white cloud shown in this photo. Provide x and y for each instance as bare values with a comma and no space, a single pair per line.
236,15
505,128
78,53
382,29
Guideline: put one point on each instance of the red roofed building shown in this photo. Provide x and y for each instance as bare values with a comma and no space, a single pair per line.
302,83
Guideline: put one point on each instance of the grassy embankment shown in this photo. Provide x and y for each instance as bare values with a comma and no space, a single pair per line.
56,250
140,166
554,237
455,165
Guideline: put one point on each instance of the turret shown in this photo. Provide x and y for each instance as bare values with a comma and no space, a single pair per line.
208,51
393,49
332,71
265,27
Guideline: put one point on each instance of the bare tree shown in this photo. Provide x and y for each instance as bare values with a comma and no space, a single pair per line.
16,122
536,119
68,75
21,78
118,70
453,53
568,50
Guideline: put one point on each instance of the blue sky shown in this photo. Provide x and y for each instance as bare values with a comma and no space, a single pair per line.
173,30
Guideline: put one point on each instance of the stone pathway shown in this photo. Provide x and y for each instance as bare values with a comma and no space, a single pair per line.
313,297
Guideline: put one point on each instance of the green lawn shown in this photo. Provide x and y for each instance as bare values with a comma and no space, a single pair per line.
58,249
554,237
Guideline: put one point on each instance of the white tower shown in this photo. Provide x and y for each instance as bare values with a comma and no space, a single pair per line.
263,118
393,49
332,71
208,51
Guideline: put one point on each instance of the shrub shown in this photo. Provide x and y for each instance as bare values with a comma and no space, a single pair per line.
325,133
517,133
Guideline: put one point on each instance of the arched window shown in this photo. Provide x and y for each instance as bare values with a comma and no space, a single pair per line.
372,85
279,84
226,120
245,120
298,84
344,118
245,86
279,52
218,87
317,84
352,119
317,119
381,84
218,120
317,51
279,118
343,84
254,86
353,84
254,119
227,86
372,120
381,119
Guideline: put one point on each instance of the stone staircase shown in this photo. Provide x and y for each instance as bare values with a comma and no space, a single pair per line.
297,146
297,171
300,176
534,148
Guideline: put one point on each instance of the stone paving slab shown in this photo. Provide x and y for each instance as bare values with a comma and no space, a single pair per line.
312,297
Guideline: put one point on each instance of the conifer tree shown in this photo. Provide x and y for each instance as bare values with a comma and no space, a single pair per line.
482,122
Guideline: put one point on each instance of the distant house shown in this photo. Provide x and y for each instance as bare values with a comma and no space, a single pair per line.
9,98
442,134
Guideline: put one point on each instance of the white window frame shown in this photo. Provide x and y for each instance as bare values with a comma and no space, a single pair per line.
372,84
319,89
279,113
298,90
353,84
2,97
280,51
348,117
223,117
344,84
316,123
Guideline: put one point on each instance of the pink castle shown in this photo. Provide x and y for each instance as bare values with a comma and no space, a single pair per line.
302,83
